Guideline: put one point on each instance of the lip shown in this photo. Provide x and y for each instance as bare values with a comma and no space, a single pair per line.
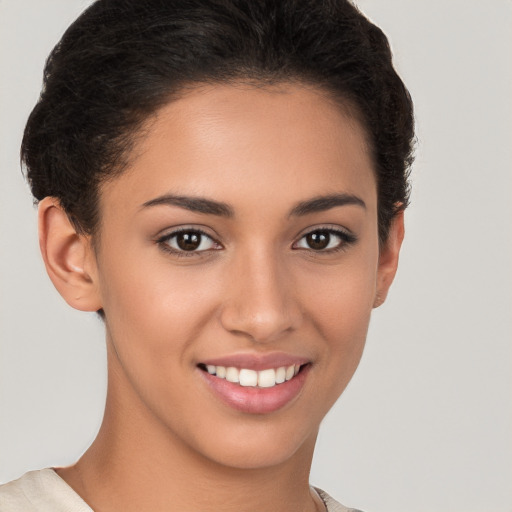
257,362
255,400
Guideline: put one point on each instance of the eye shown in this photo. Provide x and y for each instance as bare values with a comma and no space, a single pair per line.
325,240
188,241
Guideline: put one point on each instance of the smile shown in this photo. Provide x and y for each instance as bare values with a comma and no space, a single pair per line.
266,378
256,384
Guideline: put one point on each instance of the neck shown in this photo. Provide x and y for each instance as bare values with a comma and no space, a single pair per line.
137,464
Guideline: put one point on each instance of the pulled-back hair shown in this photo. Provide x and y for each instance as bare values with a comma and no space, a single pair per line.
122,60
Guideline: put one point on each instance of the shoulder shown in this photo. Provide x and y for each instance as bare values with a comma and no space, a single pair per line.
45,491
40,491
331,504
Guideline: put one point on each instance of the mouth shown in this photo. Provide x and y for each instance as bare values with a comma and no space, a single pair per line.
246,377
262,389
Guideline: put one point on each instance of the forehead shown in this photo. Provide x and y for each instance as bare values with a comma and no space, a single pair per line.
241,143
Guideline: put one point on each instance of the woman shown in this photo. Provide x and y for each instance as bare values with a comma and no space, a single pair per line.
224,183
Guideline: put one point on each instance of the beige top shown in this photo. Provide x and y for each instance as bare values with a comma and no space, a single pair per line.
45,491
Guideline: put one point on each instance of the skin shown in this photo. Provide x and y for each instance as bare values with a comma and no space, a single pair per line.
256,289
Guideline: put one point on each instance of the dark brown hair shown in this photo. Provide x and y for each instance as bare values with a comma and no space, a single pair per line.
122,60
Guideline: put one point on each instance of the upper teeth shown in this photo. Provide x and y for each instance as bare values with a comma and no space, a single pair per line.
263,378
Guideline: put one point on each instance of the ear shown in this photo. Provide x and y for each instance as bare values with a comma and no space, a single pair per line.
388,258
68,256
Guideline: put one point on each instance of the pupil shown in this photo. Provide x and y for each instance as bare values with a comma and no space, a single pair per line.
188,241
318,240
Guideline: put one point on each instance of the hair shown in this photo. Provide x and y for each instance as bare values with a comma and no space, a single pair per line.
122,60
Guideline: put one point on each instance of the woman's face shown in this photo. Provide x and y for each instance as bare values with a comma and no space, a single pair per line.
243,236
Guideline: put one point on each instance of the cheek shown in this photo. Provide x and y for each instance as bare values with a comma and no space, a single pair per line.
154,316
153,310
341,311
344,297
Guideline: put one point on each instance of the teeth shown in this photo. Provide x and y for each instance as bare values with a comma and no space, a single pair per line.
248,377
263,378
267,378
232,374
280,375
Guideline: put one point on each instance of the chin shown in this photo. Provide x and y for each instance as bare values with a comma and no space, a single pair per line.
258,448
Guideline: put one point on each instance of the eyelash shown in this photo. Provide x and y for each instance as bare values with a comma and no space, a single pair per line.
164,240
346,239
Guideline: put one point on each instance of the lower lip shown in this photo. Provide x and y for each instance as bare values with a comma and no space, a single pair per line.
255,400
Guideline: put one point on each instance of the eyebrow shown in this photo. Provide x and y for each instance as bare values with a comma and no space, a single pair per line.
323,203
211,207
194,204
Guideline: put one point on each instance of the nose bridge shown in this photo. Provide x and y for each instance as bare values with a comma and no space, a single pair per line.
262,304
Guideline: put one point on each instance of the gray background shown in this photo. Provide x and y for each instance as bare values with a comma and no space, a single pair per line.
426,424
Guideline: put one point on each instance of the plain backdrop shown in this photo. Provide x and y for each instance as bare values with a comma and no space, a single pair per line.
426,424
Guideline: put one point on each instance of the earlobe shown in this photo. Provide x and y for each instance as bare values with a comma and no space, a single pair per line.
388,259
68,257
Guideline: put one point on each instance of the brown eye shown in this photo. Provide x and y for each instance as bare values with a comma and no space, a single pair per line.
318,240
325,240
190,241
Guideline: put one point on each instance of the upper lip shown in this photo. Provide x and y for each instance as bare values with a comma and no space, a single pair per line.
256,362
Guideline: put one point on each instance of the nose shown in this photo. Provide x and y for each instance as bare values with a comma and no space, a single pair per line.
262,304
